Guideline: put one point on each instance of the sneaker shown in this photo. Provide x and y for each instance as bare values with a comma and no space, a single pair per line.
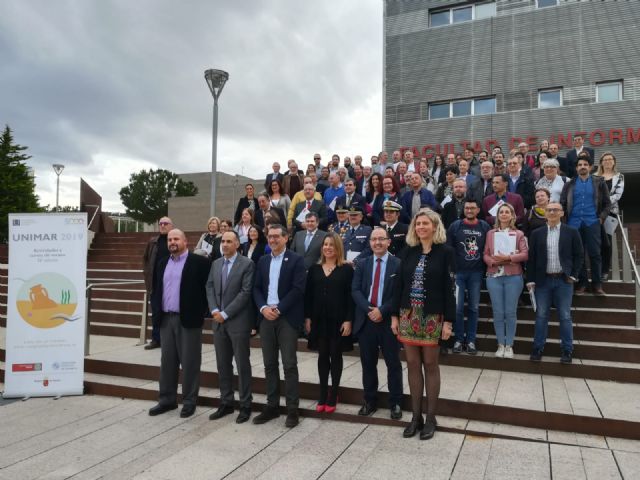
566,357
471,348
500,351
457,347
508,351
536,355
579,291
599,292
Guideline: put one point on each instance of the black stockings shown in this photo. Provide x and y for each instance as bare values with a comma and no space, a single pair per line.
417,359
329,360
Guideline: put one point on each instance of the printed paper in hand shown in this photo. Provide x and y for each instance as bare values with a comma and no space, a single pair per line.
610,225
532,296
445,200
332,205
301,218
351,256
504,243
494,210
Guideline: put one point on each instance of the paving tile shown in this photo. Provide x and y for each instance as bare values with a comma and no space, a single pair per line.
566,462
629,463
486,388
509,459
472,458
617,400
582,402
600,464
556,397
578,439
520,390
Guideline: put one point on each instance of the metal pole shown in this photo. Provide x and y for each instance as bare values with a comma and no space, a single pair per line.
214,155
88,325
57,192
143,321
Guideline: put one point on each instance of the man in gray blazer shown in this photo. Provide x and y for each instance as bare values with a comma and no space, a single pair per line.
308,243
229,293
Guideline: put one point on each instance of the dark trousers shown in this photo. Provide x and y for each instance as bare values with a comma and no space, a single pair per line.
179,346
156,321
278,336
591,238
371,338
229,345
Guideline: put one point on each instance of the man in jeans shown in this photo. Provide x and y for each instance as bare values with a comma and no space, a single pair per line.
467,237
586,203
555,259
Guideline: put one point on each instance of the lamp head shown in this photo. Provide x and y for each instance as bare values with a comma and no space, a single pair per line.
216,80
58,168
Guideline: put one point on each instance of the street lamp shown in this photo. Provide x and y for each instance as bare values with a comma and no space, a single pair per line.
216,80
58,168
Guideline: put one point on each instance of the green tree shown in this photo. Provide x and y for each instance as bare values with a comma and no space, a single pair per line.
17,187
147,195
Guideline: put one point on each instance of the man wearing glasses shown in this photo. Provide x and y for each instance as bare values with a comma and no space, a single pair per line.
156,250
555,260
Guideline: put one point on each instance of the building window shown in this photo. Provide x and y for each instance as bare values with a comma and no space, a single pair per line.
438,110
461,14
547,3
550,98
484,106
608,92
462,108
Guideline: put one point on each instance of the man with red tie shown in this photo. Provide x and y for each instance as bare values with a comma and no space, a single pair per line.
372,291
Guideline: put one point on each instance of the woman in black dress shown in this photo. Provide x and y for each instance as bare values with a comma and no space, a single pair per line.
424,308
328,316
254,248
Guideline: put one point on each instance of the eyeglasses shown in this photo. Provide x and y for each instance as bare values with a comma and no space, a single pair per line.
162,224
274,237
553,210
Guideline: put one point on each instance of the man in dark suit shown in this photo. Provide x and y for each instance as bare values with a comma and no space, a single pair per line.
179,296
454,209
521,182
275,175
500,194
572,155
308,243
356,238
229,289
264,206
372,291
278,292
310,204
351,198
555,259
562,161
397,231
481,187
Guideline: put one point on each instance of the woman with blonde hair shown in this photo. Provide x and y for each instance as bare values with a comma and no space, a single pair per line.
208,239
424,309
608,170
328,316
505,250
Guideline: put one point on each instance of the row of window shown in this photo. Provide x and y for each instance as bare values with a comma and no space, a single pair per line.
547,98
466,13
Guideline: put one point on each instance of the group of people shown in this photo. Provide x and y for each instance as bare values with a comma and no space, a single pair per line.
376,255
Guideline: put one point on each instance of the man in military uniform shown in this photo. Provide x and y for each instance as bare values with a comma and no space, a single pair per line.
397,231
356,240
341,226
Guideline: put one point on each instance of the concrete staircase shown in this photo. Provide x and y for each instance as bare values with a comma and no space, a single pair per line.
607,347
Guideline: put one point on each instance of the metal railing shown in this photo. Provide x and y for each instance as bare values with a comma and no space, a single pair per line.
143,319
97,207
629,268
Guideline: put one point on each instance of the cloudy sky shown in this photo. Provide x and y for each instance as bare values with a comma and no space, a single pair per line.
110,87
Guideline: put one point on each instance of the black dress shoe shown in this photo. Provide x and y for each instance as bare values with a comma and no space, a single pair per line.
151,345
416,424
292,418
566,357
221,412
187,411
244,415
429,428
367,409
159,409
396,412
269,413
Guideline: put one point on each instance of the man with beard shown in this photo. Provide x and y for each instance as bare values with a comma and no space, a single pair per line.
454,210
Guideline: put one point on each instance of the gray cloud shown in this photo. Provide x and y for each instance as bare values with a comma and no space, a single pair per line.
110,87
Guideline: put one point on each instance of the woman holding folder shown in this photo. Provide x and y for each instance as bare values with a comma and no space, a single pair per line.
504,252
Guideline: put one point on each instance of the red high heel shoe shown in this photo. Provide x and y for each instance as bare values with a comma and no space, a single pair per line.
332,408
321,407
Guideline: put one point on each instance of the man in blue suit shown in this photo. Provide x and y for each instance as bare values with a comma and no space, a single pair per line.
372,291
278,292
416,198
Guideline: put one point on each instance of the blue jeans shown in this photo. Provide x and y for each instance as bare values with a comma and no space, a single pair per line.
505,292
591,239
471,282
560,293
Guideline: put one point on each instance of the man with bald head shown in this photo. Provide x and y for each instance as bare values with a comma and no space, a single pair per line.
156,250
180,298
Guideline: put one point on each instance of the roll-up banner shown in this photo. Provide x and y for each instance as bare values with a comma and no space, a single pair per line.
46,304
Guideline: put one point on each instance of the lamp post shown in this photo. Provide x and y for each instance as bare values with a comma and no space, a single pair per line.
58,168
215,80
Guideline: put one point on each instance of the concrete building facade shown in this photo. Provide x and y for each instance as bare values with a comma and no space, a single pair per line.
482,73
